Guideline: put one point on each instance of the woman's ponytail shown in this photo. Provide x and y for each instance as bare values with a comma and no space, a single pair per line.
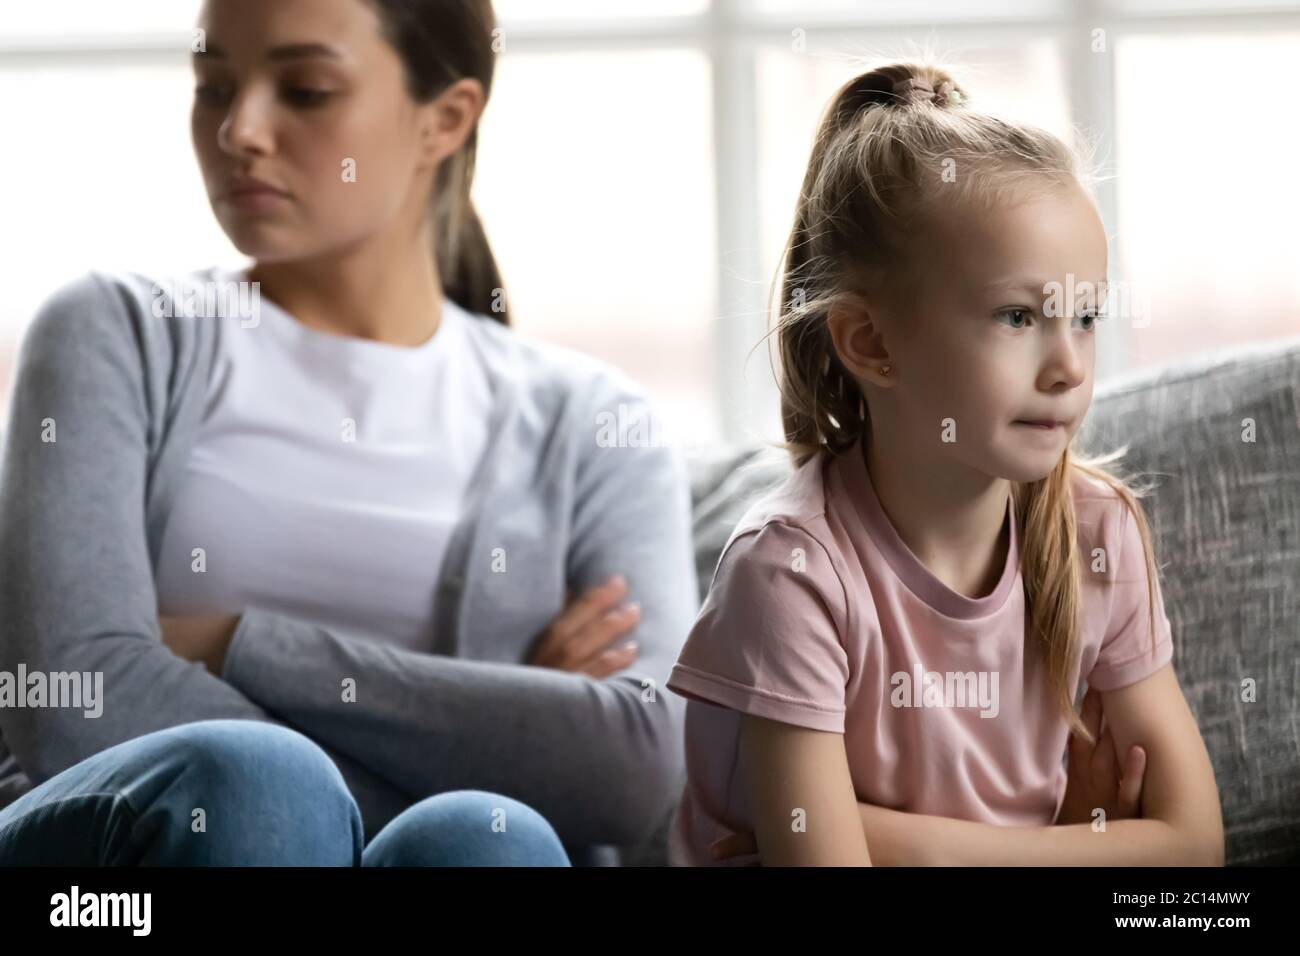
440,43
468,269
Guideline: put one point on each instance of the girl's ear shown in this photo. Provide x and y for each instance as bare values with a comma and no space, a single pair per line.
859,342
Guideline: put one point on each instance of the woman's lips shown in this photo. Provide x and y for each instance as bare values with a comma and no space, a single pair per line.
1042,426
255,199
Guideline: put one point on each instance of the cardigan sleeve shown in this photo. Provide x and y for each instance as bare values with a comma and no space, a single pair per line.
76,581
601,759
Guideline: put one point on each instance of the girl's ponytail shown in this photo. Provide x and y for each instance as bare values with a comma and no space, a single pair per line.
862,178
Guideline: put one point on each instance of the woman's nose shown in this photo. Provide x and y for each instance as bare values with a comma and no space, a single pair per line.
246,127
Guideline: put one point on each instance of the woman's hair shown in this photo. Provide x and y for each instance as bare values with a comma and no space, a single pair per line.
441,41
887,157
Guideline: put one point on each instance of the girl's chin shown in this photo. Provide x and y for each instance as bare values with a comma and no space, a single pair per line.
1024,469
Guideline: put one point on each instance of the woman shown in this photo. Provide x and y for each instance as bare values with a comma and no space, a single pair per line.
367,505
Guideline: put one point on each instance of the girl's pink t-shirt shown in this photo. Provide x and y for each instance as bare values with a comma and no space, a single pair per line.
819,615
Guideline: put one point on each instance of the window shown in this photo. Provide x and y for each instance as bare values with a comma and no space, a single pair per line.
1207,189
640,161
598,200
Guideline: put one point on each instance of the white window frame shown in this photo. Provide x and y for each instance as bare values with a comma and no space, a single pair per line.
730,33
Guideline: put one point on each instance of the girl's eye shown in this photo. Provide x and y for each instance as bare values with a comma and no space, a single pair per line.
1095,317
1014,312
1025,314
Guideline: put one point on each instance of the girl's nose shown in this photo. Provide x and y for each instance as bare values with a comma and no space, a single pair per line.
1065,357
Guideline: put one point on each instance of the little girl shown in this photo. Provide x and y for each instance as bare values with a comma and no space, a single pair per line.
886,665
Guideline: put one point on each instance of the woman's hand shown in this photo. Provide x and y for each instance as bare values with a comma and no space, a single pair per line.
1094,781
579,638
201,639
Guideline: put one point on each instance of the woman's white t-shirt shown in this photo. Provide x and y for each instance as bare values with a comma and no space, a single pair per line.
327,475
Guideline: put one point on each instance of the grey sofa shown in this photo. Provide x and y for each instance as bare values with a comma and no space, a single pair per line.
1226,516
1227,521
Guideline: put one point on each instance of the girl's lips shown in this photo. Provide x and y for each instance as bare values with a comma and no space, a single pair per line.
1044,426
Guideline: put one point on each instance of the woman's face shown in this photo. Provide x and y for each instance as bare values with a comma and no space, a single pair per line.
308,97
980,346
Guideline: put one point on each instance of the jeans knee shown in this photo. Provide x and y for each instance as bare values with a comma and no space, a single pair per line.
467,828
236,753
261,791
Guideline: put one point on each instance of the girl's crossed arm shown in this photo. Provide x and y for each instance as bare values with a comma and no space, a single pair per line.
804,807
1181,823
1180,819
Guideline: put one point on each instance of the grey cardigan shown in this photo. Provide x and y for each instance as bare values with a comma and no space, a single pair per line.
81,520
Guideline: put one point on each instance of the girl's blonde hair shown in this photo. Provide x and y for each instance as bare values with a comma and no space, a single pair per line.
886,155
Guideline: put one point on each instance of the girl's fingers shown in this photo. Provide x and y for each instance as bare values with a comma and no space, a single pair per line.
1104,763
1080,752
1130,786
734,844
1091,715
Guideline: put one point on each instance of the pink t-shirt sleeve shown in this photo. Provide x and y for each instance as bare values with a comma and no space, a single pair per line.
1126,654
768,638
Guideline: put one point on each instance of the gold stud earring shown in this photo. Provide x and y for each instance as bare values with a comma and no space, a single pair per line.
884,369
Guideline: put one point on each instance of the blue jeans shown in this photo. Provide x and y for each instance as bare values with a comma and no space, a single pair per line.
246,793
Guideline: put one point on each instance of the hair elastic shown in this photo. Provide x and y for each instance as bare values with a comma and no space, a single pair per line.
917,89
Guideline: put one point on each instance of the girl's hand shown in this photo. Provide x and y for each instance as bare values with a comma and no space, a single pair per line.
201,639
579,638
1093,777
736,844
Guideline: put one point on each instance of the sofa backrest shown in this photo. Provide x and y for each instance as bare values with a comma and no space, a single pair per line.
1220,437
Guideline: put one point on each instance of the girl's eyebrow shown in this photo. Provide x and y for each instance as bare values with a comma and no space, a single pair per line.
1034,286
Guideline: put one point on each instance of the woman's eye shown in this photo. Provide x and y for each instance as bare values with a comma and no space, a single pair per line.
207,93
306,96
1015,312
